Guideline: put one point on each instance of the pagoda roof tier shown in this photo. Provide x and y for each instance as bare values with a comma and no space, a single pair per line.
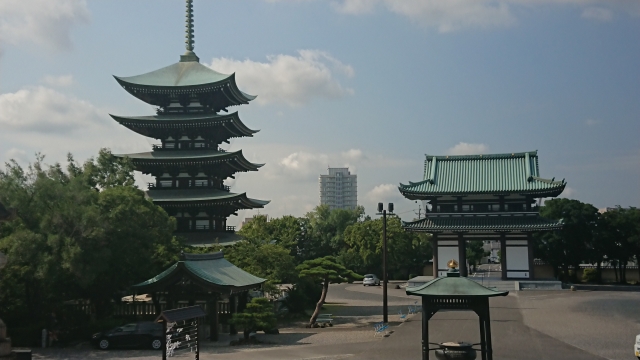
185,78
203,198
483,223
188,158
219,126
514,173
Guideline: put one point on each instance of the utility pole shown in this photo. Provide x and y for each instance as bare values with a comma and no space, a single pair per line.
385,280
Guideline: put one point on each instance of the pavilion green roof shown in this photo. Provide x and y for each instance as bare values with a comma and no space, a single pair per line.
203,197
185,78
156,126
453,287
235,160
483,223
515,173
210,271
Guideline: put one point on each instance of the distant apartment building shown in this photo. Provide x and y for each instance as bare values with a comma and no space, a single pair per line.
339,189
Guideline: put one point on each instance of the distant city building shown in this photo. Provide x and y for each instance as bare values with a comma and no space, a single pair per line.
339,189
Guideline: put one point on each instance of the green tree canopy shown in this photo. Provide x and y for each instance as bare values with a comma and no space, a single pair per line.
78,234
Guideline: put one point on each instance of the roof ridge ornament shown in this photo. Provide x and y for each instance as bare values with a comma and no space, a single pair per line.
189,55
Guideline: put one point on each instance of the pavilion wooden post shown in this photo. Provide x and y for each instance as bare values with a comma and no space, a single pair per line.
213,318
487,329
232,310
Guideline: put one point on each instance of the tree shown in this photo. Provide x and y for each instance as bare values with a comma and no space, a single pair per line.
567,248
326,271
258,315
620,230
325,230
475,253
79,234
407,252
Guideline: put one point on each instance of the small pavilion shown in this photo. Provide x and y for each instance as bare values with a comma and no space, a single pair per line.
208,277
456,293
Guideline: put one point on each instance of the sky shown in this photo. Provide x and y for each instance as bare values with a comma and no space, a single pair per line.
369,84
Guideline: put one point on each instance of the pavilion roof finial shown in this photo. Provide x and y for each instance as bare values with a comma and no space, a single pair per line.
189,55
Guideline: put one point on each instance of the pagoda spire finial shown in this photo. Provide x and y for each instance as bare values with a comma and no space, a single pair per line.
189,55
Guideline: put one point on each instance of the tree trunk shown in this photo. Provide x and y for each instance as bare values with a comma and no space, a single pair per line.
623,273
325,288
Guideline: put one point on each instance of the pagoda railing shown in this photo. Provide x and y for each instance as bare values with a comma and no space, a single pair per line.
155,186
184,146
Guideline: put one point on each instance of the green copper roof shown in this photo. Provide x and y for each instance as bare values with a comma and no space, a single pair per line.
206,196
453,286
156,126
482,223
235,160
482,174
211,271
179,74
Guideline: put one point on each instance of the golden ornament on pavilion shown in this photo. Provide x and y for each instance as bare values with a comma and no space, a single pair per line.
452,264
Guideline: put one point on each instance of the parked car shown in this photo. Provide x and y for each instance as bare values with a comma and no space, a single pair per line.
135,335
636,347
370,279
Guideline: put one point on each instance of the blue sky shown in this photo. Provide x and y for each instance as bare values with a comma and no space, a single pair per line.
369,84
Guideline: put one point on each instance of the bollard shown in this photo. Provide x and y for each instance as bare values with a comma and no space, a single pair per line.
44,338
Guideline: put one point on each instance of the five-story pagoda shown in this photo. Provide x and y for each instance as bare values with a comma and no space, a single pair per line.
188,165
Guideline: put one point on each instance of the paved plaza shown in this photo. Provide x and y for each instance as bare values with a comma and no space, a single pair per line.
526,325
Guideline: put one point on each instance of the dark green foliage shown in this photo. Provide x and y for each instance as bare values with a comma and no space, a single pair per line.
590,275
475,253
302,296
258,315
81,233
407,252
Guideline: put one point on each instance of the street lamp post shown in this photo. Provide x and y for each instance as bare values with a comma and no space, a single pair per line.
381,211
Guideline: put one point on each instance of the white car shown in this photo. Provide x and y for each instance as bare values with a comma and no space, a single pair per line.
636,347
370,279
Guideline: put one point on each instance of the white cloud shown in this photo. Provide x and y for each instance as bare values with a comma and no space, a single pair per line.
20,156
354,7
303,164
592,122
40,109
454,15
464,148
293,80
59,81
598,14
568,193
353,154
43,22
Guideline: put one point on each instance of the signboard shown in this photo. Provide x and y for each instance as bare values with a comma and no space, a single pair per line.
181,338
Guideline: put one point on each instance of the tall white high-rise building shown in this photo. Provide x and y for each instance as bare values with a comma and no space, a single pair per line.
339,189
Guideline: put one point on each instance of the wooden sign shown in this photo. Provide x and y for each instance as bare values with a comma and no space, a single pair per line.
181,338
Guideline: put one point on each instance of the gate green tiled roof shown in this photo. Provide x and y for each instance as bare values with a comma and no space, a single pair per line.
482,223
482,174
210,271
